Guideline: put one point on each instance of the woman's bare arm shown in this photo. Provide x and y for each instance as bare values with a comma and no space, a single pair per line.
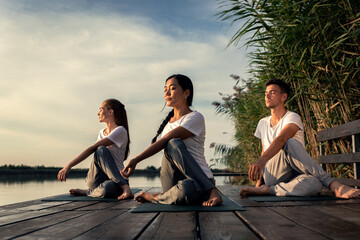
81,157
154,148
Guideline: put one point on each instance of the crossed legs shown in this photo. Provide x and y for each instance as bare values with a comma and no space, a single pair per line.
104,179
292,172
183,181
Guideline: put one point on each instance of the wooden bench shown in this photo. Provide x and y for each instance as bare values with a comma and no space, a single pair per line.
345,130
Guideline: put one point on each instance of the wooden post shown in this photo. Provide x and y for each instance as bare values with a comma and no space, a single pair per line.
355,148
322,152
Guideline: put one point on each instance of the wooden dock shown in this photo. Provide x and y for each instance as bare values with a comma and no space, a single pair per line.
336,219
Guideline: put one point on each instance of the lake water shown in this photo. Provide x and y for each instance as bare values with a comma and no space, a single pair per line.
20,191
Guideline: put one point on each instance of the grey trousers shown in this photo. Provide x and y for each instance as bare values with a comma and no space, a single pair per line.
293,172
182,179
104,179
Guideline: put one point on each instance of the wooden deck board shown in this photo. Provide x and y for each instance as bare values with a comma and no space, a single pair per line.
32,225
271,225
179,225
224,225
331,221
232,192
5,220
124,226
113,220
74,227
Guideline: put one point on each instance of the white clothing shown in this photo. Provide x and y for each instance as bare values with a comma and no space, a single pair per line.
120,139
193,122
267,134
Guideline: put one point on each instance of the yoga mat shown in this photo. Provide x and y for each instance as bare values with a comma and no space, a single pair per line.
68,197
227,205
294,198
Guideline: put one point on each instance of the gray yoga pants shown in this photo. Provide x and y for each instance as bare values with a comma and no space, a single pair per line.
293,172
182,179
104,179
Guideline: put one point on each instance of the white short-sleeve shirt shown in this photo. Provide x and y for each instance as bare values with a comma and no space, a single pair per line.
119,137
194,122
267,134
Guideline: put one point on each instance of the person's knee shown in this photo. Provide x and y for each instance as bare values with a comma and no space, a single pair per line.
100,150
99,153
291,142
173,144
292,145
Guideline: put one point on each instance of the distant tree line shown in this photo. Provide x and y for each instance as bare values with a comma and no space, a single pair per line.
24,170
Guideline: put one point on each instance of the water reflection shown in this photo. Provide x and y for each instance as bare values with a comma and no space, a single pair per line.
24,188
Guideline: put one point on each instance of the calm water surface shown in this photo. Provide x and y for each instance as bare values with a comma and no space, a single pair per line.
20,191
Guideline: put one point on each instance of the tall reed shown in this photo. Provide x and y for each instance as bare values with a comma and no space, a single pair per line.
315,47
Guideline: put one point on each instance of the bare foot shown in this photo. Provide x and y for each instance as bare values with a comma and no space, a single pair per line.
262,190
343,191
127,193
145,197
78,192
214,199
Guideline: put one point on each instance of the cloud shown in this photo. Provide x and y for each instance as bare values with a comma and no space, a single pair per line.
57,68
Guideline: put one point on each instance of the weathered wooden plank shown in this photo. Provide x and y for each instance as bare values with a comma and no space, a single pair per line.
25,227
77,205
271,225
324,220
343,130
313,203
99,206
223,225
345,214
125,226
20,204
179,225
353,207
126,204
340,158
35,207
4,220
74,227
233,193
122,204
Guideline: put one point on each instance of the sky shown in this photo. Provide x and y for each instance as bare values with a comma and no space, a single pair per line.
59,59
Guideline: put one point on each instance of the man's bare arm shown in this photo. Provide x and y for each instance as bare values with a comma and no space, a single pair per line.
277,144
288,132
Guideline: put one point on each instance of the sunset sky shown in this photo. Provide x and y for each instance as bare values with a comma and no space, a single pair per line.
59,59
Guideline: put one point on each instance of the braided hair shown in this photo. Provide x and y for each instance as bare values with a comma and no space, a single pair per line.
120,117
185,83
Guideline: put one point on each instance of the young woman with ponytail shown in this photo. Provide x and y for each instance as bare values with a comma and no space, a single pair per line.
185,176
110,151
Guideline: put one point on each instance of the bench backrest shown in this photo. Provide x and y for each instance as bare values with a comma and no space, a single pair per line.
348,129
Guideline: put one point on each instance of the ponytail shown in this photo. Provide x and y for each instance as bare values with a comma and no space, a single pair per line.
120,118
163,124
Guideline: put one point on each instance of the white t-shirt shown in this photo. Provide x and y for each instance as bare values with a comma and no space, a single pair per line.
193,122
267,134
119,137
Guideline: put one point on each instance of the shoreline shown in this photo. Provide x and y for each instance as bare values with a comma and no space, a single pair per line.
25,172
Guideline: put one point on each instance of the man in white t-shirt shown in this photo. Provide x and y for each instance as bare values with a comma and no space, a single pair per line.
284,167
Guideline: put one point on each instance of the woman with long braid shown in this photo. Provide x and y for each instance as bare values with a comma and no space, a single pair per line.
110,151
185,176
